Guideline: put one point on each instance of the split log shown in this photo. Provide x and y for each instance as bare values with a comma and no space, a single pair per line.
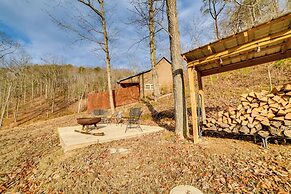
261,113
287,123
258,127
244,130
288,116
263,133
275,124
287,133
281,113
278,118
287,87
253,131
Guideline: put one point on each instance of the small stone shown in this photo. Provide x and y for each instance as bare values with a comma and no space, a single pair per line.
118,150
112,150
123,150
185,189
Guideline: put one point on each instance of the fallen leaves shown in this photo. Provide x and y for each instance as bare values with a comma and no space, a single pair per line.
150,164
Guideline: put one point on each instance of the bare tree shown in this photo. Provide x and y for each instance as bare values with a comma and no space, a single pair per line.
243,14
214,8
7,45
101,13
5,104
177,70
149,13
14,66
88,29
196,31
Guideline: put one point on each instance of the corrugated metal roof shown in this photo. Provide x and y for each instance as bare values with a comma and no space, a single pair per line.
140,73
129,77
260,44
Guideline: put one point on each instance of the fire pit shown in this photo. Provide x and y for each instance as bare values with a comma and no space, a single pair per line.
86,122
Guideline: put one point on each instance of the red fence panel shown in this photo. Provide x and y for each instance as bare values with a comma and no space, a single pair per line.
121,96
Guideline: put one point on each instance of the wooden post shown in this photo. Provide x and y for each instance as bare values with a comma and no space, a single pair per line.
141,86
193,104
201,93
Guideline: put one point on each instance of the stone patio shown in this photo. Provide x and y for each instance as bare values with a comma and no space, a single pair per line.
71,140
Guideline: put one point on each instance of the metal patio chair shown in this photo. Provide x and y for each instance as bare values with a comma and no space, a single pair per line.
134,119
101,113
117,117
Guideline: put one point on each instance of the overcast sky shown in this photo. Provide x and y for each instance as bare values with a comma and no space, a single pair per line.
28,22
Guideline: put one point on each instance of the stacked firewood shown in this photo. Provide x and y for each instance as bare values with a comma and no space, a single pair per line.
265,113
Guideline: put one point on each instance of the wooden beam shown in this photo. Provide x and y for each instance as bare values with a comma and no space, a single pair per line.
248,55
286,34
201,93
210,49
141,86
248,63
185,58
246,36
286,45
191,74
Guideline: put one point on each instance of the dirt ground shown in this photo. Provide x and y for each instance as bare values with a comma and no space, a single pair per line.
32,161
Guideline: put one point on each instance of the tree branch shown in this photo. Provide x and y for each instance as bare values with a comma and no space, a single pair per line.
89,4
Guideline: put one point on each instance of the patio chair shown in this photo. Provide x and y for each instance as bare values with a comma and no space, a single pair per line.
102,113
134,119
117,117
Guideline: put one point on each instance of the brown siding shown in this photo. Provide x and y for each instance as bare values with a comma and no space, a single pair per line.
122,96
164,70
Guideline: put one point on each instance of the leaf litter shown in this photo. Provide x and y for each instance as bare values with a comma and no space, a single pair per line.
32,161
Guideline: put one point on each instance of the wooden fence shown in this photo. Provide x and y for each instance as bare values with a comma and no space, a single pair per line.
121,96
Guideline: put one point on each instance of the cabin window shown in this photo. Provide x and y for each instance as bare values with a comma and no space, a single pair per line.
149,86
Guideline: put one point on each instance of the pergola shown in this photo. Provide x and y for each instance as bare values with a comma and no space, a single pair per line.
264,43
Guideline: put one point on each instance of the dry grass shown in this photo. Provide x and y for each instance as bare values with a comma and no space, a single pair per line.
35,163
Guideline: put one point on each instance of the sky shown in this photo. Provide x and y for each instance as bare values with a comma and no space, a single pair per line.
29,22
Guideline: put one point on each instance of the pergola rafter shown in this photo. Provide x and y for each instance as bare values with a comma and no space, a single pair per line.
264,43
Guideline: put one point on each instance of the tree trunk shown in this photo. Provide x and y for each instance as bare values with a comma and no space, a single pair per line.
40,93
46,91
15,114
216,28
253,14
177,70
53,105
7,110
32,90
106,49
5,105
80,102
153,50
270,78
24,93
